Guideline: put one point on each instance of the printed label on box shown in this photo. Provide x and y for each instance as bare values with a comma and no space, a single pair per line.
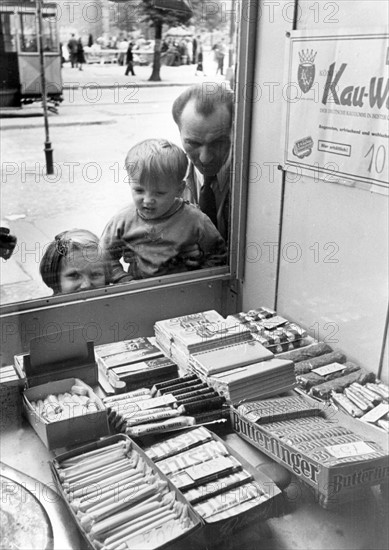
329,369
210,467
359,448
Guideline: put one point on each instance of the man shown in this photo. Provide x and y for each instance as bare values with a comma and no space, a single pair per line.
73,49
204,115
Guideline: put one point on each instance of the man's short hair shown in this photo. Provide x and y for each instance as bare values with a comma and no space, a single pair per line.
207,98
152,159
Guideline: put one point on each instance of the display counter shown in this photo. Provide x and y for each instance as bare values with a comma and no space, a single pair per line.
300,523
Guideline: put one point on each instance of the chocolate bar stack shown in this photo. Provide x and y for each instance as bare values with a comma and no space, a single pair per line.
138,362
274,332
181,336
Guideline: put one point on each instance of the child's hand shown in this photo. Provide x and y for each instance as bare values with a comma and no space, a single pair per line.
192,256
7,243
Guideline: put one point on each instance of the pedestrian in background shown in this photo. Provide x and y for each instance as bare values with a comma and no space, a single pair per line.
130,60
73,47
80,54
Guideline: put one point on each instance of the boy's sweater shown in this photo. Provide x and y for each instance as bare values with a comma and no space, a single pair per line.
156,247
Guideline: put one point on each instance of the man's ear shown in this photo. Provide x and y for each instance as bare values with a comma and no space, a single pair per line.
181,188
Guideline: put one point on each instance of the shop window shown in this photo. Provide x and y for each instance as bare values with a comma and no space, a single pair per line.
39,199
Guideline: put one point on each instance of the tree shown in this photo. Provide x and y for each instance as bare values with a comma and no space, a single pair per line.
158,16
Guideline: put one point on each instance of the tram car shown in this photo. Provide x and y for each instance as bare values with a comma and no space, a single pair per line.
20,67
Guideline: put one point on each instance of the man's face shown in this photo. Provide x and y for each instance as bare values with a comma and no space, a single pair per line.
206,139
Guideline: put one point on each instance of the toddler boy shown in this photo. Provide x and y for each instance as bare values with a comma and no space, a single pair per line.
160,232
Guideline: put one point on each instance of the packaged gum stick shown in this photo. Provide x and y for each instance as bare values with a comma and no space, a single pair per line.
225,483
207,451
306,366
153,416
135,393
178,443
321,434
159,427
139,414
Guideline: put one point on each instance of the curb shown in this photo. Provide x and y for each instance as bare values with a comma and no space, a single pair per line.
130,83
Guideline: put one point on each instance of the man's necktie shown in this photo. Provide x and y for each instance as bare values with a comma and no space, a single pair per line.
207,201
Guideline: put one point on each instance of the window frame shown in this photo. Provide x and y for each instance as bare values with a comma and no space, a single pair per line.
246,19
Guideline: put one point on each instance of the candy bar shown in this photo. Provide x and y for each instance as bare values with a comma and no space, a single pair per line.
177,387
203,405
158,427
253,315
344,403
198,398
302,367
310,379
307,352
198,474
178,443
381,411
250,491
172,382
321,434
211,489
307,446
368,394
272,410
358,399
189,389
200,454
295,426
339,384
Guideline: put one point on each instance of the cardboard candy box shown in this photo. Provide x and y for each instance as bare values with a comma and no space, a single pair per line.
334,454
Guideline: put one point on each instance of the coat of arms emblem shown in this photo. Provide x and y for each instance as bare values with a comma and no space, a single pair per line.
306,70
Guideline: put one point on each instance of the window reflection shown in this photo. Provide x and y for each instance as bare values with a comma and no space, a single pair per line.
28,33
102,116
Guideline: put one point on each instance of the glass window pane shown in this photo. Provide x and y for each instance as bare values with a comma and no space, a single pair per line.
28,34
7,34
50,39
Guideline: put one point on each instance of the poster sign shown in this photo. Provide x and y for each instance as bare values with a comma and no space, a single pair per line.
337,101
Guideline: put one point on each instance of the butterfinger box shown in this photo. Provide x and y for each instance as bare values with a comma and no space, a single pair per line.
329,451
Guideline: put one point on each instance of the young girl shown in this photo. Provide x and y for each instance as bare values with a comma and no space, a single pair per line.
73,262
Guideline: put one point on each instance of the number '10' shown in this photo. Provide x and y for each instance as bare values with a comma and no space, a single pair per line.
378,157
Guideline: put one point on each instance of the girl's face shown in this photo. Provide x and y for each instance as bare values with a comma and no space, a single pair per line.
154,199
81,269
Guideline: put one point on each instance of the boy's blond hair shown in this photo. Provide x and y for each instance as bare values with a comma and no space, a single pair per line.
152,159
